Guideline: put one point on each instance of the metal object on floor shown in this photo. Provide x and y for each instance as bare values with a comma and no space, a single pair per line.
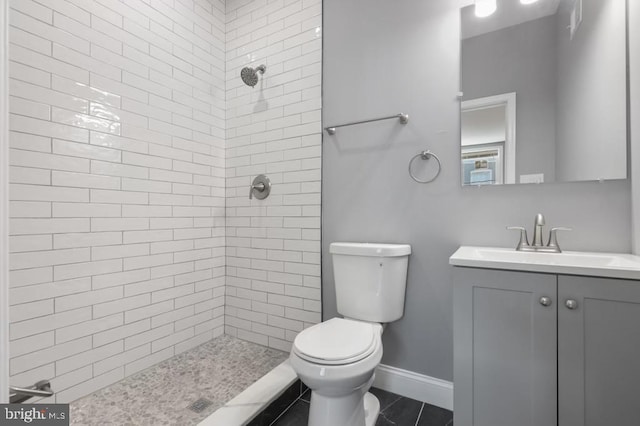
40,389
200,405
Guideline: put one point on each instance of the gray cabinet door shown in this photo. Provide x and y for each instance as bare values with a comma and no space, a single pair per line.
598,352
505,348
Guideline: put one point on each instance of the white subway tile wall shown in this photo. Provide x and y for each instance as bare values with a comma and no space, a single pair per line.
273,245
118,186
131,132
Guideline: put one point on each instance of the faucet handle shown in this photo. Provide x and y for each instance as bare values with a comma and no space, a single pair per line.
260,187
553,237
524,240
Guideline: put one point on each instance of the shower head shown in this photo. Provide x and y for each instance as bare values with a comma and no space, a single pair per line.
250,75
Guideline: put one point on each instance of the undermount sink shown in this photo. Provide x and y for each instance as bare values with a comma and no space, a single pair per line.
614,265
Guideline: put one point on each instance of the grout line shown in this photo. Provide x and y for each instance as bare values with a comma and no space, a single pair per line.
419,414
391,403
286,409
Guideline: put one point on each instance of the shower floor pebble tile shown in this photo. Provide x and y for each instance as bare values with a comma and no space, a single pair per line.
216,371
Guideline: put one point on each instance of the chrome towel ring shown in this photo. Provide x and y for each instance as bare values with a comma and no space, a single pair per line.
425,155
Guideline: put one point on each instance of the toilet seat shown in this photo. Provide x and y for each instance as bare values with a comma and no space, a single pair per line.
337,341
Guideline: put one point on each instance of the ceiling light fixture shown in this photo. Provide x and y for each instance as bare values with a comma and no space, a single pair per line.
528,1
485,8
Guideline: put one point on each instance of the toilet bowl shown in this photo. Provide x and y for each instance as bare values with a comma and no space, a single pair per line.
336,359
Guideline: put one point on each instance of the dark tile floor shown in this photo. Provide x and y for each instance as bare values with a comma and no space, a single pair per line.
394,410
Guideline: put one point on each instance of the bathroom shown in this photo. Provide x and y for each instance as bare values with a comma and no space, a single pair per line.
134,142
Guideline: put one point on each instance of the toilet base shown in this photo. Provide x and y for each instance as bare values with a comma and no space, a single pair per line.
371,409
350,410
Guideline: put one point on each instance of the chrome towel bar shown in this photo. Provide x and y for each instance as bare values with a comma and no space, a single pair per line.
404,119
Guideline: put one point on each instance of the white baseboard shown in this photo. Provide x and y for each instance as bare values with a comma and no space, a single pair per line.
415,386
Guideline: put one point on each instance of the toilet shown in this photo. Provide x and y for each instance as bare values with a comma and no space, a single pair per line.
337,358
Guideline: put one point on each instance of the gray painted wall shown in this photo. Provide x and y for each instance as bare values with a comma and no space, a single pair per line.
519,59
384,57
592,113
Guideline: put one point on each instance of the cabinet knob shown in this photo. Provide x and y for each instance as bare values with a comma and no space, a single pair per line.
571,304
545,301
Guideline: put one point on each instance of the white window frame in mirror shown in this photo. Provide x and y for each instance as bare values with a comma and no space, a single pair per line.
508,100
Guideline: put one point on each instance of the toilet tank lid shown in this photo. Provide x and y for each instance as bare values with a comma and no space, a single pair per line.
370,249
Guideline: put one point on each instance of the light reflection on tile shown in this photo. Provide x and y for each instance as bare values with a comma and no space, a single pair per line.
84,91
84,121
104,111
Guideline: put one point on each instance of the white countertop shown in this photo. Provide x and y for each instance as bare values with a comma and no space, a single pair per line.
612,265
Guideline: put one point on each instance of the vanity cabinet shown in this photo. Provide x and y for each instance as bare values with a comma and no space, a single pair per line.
504,348
598,351
545,349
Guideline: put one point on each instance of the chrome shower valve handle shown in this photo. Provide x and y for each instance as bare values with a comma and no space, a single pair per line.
256,187
260,187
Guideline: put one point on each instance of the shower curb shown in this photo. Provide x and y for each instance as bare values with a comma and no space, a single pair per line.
252,401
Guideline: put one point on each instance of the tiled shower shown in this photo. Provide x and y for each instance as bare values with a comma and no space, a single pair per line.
133,144
273,247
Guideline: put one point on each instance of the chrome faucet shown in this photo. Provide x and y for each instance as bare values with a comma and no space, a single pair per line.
537,231
538,243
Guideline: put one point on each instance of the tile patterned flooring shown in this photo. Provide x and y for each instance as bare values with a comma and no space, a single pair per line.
395,410
217,371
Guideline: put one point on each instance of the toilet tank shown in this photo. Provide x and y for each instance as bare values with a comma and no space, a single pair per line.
370,280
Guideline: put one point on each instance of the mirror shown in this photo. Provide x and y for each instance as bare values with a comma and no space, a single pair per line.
544,92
